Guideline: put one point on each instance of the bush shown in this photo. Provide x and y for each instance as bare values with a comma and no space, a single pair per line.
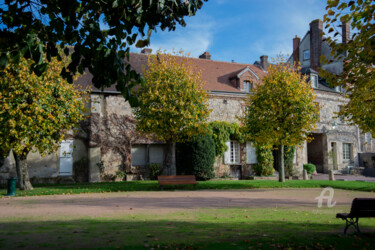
264,167
196,157
310,168
288,161
155,170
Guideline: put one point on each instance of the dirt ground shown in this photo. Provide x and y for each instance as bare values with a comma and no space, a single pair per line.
112,204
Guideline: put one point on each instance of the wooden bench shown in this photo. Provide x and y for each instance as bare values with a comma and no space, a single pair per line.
176,180
361,208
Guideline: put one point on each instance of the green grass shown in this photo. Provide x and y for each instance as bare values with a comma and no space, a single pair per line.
129,186
237,228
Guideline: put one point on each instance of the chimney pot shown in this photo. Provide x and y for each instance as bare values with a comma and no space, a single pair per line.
146,51
345,32
264,62
205,55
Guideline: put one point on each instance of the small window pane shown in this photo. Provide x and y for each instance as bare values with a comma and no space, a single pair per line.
306,55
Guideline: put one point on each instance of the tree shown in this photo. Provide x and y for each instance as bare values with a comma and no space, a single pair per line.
36,112
172,104
100,33
197,157
358,54
280,112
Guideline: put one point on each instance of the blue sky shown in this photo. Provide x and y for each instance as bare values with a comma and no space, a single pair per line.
242,30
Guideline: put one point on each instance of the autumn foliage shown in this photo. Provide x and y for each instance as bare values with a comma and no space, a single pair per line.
36,111
281,111
358,56
173,105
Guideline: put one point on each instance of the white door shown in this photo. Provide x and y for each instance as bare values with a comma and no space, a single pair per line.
66,158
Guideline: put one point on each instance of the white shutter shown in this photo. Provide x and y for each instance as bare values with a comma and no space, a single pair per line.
251,154
227,154
295,156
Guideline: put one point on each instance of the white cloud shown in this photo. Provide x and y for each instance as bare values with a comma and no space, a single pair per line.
195,38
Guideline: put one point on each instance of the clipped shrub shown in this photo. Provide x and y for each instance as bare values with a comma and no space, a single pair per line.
310,168
288,161
155,170
264,167
196,157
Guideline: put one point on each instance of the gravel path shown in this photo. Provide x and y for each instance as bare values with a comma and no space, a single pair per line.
112,204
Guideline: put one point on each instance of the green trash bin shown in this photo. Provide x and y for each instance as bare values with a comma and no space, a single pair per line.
11,186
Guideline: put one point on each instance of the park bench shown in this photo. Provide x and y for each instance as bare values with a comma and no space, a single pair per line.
176,180
361,208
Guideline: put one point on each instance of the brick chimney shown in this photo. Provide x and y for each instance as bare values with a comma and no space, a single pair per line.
345,32
316,29
205,55
296,42
146,51
264,62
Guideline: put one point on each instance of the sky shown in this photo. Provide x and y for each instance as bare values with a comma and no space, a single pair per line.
241,30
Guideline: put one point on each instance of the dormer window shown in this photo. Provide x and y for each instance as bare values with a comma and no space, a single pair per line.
338,88
314,80
247,86
306,55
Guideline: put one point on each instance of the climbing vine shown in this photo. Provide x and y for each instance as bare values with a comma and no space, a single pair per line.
222,132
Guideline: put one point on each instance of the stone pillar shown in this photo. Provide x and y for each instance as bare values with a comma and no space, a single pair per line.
331,175
94,160
305,175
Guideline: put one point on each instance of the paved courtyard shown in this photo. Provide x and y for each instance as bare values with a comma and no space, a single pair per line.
110,204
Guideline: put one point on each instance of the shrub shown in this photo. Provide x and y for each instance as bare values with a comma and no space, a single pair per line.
264,167
196,157
288,160
310,168
155,170
120,174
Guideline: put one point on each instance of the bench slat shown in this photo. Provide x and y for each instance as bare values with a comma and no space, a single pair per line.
177,180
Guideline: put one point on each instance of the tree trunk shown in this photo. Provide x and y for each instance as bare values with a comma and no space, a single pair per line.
170,158
281,163
22,172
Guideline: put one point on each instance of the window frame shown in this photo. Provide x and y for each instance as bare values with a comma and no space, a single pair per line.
247,86
346,151
233,154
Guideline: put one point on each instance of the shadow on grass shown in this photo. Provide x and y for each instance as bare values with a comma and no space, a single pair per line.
133,232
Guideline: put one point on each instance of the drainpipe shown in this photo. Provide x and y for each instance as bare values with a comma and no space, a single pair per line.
359,140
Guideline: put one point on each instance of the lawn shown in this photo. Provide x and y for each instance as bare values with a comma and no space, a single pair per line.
224,228
203,185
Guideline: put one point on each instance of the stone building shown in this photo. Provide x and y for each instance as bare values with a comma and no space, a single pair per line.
335,143
83,158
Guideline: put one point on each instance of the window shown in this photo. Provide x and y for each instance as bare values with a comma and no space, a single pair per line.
306,55
247,85
138,155
346,151
314,80
156,152
232,155
251,154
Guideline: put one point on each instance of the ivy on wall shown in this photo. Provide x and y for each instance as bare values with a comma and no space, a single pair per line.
222,132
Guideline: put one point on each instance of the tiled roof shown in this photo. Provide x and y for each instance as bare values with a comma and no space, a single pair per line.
215,74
